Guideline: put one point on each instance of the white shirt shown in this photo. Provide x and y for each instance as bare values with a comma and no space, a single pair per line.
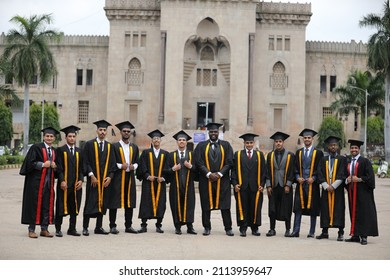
126,152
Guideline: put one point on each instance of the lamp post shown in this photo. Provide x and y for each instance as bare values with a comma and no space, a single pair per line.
365,119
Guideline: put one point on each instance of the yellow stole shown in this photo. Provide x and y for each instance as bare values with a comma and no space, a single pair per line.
99,178
155,198
66,171
184,217
218,192
124,177
331,194
272,168
310,195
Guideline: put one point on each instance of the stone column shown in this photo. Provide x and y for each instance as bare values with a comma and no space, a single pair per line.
162,77
250,80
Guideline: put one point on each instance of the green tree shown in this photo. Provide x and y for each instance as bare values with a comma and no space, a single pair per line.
352,96
50,119
379,59
375,129
28,54
6,130
7,93
330,126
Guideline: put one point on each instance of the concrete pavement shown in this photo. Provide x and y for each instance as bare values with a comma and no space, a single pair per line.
15,245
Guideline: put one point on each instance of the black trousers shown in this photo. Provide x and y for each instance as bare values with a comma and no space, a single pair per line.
158,223
128,217
99,221
72,222
226,218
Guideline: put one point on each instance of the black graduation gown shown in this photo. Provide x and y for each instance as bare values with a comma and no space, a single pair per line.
307,197
249,173
214,195
70,170
181,189
153,194
280,203
333,204
96,198
362,208
123,189
36,182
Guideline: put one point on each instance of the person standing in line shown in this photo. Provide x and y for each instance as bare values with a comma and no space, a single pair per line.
214,160
248,180
331,176
307,192
154,174
69,183
38,192
123,192
280,176
181,189
360,185
99,167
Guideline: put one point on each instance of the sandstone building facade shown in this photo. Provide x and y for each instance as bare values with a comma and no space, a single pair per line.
175,65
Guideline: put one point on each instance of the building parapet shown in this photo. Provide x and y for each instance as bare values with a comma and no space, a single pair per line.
284,13
336,47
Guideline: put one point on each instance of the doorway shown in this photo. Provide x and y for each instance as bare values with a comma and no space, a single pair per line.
205,114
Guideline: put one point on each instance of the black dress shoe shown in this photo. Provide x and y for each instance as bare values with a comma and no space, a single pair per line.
294,234
131,230
242,233
340,237
256,232
159,230
271,232
59,233
229,232
206,232
363,241
142,230
191,231
353,239
72,232
100,231
322,236
114,230
310,235
85,232
287,233
178,231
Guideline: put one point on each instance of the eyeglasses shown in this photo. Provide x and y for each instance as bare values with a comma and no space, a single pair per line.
126,131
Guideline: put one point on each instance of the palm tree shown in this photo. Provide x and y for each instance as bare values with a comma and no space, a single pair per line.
28,54
379,58
351,97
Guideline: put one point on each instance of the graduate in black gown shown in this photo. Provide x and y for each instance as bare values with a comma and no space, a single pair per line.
154,174
214,161
181,189
69,183
38,193
99,167
123,192
360,185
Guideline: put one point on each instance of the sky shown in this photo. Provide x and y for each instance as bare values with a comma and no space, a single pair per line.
332,20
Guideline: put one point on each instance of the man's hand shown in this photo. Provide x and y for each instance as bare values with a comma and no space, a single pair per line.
106,182
286,189
79,184
214,177
125,165
187,164
300,180
269,191
330,188
94,181
63,185
237,188
310,180
176,167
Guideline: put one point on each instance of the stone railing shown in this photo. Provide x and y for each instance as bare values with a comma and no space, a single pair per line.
339,47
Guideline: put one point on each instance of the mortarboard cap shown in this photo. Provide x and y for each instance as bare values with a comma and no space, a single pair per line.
248,136
332,139
155,133
279,136
182,134
213,125
355,142
70,129
102,123
50,130
125,124
308,132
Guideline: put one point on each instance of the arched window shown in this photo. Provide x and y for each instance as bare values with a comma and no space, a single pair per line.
279,78
207,54
134,76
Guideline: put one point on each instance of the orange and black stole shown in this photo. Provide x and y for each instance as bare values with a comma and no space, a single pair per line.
99,177
182,217
155,197
331,195
66,172
352,193
310,192
123,174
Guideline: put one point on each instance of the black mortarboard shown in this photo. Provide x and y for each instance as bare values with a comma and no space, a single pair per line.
182,134
70,129
248,136
125,124
355,142
102,123
332,139
155,133
50,130
213,125
279,136
308,132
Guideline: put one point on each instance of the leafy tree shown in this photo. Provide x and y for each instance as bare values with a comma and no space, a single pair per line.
50,118
28,54
6,130
375,129
379,59
330,126
7,93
